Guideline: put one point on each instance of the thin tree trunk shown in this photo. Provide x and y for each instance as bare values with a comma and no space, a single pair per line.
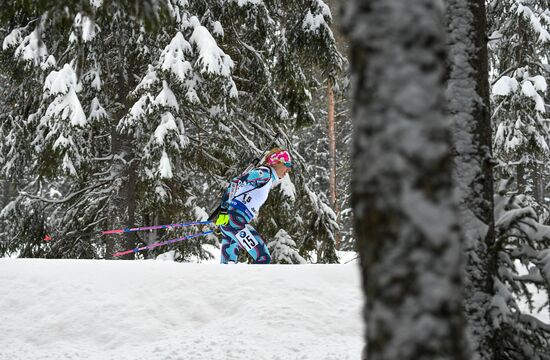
535,170
542,182
131,202
332,158
520,180
406,221
5,186
125,200
468,95
125,167
154,236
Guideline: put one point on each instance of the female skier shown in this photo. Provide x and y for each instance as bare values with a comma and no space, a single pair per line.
241,203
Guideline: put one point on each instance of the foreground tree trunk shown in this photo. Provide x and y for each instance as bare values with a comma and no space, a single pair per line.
406,220
468,95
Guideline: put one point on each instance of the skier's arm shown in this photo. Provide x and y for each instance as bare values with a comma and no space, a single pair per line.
258,177
225,198
223,217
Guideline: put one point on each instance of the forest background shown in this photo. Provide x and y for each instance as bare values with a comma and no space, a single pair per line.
120,113
141,114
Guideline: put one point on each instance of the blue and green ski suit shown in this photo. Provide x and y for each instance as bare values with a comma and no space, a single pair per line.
243,199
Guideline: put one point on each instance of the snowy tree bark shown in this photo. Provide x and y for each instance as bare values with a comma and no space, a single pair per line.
405,216
468,101
125,163
125,204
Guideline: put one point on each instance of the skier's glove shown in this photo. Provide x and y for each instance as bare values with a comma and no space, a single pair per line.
223,217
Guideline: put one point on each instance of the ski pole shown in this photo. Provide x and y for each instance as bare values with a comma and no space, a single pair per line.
148,247
154,227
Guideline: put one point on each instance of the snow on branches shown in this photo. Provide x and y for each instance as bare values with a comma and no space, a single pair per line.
211,57
173,60
62,85
522,243
520,126
64,118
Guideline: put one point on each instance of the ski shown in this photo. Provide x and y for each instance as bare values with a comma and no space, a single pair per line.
149,247
154,227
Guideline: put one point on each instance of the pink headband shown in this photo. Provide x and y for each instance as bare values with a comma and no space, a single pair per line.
280,157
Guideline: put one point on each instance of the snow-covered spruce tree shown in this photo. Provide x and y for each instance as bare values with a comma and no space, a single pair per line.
523,248
68,138
519,39
282,249
166,111
405,216
468,105
313,144
322,226
343,124
344,131
493,287
5,196
24,218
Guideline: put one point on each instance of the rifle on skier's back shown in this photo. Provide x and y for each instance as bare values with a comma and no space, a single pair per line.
253,163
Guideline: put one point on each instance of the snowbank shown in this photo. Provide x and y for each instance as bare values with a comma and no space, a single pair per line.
147,310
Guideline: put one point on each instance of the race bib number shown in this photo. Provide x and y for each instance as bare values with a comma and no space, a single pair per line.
246,239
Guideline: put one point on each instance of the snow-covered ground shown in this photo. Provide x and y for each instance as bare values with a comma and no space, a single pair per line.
148,310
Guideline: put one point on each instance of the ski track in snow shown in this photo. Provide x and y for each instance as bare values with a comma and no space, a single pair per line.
147,310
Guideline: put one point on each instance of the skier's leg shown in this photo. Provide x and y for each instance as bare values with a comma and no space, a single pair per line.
229,244
259,252
229,247
247,237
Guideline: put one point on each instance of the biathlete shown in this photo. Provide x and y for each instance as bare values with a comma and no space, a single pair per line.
240,204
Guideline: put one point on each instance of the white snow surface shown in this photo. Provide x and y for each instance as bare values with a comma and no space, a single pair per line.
142,310
529,90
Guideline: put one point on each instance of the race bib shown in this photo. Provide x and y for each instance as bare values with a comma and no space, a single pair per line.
246,239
